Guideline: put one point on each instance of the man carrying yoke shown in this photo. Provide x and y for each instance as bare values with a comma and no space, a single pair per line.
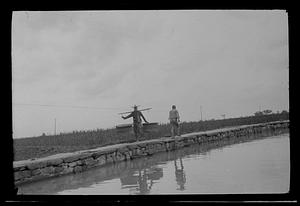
137,122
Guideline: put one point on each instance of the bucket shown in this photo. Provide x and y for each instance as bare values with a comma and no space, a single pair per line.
124,128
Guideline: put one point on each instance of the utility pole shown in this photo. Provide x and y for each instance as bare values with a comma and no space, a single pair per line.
54,126
201,112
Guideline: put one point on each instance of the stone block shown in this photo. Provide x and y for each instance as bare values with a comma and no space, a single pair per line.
136,152
90,165
97,154
157,146
127,155
47,170
72,164
54,162
150,151
67,170
78,169
19,168
200,138
36,165
89,161
122,149
119,157
85,156
132,147
36,172
72,158
101,160
191,141
58,169
79,162
22,174
109,158
142,144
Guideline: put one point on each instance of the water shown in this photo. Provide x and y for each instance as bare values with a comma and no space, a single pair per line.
260,166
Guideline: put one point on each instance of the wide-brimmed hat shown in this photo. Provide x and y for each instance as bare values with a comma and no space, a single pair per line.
135,106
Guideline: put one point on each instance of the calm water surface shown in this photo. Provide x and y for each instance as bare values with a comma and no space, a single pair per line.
259,166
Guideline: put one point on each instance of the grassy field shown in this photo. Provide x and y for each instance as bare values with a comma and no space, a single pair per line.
35,147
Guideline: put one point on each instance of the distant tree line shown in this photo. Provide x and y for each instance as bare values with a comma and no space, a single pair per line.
268,111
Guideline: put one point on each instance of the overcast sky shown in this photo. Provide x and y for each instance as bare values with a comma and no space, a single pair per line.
227,62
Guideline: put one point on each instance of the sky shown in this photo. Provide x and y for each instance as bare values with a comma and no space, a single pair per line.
79,69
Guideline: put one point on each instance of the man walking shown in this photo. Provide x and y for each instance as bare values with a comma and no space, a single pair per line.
137,122
174,121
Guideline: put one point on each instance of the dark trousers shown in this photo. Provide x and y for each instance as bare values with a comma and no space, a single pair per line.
137,128
174,128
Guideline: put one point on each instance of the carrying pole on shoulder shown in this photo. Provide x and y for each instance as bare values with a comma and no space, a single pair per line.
138,110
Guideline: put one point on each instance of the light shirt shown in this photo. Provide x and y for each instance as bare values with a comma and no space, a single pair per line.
174,115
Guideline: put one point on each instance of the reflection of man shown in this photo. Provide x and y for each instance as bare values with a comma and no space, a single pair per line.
137,122
180,174
143,185
140,176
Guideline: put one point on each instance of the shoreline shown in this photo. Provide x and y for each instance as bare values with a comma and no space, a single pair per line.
74,162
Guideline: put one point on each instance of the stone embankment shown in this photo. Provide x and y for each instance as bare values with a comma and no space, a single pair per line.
65,163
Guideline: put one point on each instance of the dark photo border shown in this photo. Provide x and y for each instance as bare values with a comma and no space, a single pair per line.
8,196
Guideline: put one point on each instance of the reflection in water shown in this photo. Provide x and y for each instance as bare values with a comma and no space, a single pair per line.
180,174
156,173
143,180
